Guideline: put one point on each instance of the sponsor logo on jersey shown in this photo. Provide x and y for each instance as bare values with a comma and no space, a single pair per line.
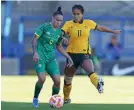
48,33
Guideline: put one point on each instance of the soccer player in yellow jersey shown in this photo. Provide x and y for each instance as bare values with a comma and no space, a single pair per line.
79,49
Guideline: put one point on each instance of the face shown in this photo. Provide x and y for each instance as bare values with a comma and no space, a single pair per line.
77,14
57,20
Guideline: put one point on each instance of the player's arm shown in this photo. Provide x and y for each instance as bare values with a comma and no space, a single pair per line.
63,52
93,25
34,45
65,38
106,29
37,35
65,31
65,28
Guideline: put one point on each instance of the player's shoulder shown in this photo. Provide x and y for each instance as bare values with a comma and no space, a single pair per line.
88,21
69,22
45,25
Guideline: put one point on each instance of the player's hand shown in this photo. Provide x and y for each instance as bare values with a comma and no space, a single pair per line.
36,57
70,62
65,41
117,31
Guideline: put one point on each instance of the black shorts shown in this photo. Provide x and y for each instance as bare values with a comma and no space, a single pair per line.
78,58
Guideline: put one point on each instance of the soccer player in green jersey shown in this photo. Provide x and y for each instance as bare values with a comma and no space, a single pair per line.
47,38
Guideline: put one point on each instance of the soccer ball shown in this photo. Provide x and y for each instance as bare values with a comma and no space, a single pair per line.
56,101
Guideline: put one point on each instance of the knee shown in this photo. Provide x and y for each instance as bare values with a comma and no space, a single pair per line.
67,80
89,70
41,81
57,83
70,72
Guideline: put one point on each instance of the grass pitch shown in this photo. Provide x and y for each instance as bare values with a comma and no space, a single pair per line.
17,93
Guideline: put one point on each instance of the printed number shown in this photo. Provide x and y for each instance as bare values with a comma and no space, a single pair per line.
79,33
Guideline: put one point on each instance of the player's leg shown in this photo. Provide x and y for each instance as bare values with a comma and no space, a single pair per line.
56,85
88,66
53,70
40,69
68,76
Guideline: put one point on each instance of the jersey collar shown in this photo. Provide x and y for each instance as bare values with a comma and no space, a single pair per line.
79,22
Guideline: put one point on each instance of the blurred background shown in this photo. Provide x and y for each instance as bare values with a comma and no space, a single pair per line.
111,53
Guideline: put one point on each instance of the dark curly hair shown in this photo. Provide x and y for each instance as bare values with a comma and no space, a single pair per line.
80,7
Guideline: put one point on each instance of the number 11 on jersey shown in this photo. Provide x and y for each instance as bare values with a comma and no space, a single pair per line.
79,33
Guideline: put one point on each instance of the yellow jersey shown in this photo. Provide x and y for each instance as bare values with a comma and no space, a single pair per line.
79,34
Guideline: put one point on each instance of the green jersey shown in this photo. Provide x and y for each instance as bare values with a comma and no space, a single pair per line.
48,38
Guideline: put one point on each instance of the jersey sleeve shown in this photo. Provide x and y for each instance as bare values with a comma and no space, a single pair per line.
59,42
92,24
39,31
65,27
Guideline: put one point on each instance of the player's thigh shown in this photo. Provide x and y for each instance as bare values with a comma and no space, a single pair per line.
52,68
40,70
69,71
87,65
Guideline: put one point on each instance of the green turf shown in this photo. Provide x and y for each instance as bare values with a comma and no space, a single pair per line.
17,93
45,106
